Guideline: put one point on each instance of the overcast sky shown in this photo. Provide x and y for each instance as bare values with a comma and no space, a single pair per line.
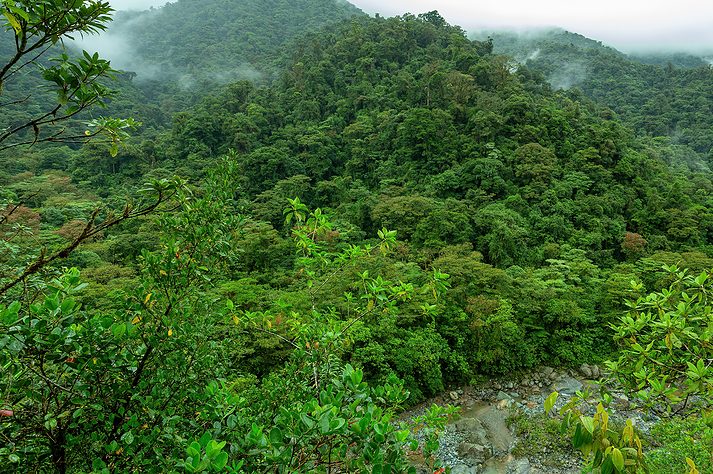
625,24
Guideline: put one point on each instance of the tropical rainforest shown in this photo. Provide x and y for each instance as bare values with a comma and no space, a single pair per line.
281,224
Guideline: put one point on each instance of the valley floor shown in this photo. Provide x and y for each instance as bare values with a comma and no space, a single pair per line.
502,427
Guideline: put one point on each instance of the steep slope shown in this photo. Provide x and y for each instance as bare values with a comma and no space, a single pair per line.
175,55
411,111
661,95
216,40
535,203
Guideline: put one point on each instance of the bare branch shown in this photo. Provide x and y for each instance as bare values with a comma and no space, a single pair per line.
89,231
16,102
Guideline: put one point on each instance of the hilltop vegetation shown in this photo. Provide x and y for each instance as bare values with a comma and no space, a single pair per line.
267,282
173,41
659,96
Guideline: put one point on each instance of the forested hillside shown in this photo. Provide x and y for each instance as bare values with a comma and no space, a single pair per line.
171,57
267,282
219,37
664,95
183,50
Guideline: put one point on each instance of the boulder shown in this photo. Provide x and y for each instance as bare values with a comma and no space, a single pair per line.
596,372
472,430
474,453
567,385
464,469
503,396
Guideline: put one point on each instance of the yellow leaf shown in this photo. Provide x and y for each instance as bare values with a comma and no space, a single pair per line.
605,421
136,320
13,22
148,297
236,320
170,332
162,273
692,466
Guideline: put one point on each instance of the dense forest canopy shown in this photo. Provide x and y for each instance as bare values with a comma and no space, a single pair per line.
657,95
327,218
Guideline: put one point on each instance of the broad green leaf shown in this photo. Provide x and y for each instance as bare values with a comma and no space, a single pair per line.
617,459
309,422
276,436
194,450
220,461
588,423
550,402
127,437
67,305
118,330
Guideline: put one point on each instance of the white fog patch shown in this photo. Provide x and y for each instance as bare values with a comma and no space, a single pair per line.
137,4
568,76
631,26
115,45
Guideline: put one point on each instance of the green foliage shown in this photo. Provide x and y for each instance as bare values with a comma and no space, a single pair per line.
605,448
539,435
658,96
207,455
456,218
665,339
676,442
77,82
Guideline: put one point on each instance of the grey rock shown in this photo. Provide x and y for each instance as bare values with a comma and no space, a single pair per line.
454,396
596,372
464,469
567,385
586,370
503,396
472,430
519,466
474,453
547,371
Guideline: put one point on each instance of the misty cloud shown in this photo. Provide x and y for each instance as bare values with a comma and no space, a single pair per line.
115,45
634,25
569,75
137,4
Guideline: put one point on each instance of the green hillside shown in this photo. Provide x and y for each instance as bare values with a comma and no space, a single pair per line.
387,217
657,95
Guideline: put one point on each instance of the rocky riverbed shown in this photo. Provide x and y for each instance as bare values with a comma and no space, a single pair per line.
483,440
